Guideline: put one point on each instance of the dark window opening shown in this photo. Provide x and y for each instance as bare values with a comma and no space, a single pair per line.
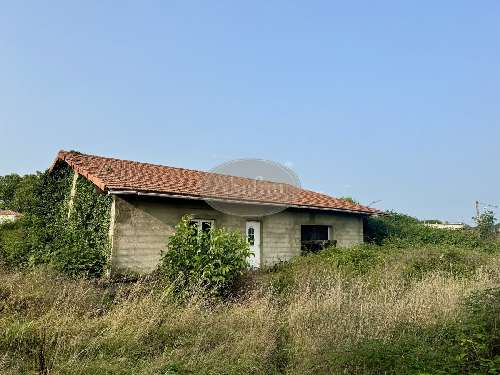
315,232
202,225
206,226
315,238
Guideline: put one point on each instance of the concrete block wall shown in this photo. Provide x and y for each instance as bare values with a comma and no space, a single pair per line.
142,225
282,231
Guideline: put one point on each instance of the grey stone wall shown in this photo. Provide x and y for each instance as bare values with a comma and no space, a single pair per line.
142,226
281,239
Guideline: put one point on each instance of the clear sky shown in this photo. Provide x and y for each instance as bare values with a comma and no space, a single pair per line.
395,101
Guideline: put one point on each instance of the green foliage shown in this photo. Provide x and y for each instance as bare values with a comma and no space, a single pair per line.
349,199
40,224
359,258
210,260
18,192
82,243
77,245
12,251
486,225
454,261
479,335
470,345
415,263
8,186
387,225
401,231
330,320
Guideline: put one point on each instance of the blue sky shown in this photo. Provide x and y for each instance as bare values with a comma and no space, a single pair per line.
392,101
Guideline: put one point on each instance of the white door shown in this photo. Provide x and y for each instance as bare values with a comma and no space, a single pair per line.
253,237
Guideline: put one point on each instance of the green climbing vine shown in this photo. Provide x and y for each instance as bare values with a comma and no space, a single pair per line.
76,243
83,245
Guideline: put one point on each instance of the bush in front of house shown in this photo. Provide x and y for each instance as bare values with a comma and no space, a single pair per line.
210,261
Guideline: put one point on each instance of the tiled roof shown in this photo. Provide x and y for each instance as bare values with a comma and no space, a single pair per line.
114,175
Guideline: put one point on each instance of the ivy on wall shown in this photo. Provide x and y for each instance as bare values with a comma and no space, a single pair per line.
84,246
77,244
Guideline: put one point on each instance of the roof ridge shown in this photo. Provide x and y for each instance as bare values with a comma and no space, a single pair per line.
176,168
142,176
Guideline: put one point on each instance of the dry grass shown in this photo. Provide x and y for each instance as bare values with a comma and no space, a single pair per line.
53,325
341,313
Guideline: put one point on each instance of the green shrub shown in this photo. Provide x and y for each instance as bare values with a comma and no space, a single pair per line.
359,258
398,230
8,186
377,229
454,261
486,225
211,260
13,252
328,322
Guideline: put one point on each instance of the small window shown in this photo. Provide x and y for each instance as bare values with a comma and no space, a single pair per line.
202,225
206,226
251,236
315,232
315,238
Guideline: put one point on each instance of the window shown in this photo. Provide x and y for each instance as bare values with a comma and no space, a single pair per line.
251,236
202,224
315,233
315,238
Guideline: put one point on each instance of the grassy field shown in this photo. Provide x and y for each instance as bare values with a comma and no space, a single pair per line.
367,310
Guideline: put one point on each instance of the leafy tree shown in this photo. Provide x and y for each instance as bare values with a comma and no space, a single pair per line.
486,225
211,260
8,186
18,192
24,196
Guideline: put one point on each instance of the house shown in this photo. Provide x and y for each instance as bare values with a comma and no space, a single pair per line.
8,216
148,200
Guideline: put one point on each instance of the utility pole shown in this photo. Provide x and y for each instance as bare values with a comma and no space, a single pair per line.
479,204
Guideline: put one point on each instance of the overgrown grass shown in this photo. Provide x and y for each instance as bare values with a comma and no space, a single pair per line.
364,310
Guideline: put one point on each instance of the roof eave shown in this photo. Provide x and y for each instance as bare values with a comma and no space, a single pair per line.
196,197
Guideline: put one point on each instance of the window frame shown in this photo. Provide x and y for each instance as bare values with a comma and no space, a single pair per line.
199,224
329,230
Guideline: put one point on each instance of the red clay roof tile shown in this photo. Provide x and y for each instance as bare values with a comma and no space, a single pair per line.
114,175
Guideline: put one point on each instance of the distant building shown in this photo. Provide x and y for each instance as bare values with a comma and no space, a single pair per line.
7,216
446,225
